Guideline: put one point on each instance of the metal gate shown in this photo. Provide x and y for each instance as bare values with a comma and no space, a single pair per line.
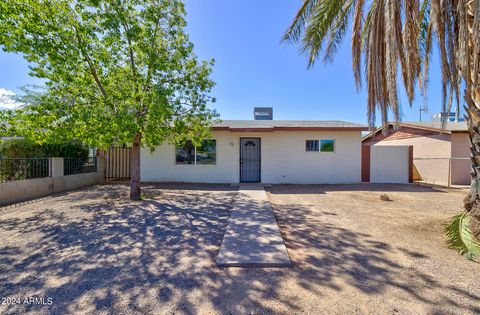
118,163
250,159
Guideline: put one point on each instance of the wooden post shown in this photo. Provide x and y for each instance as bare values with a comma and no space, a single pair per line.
449,171
410,164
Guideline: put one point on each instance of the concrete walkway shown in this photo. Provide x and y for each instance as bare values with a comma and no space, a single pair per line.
252,238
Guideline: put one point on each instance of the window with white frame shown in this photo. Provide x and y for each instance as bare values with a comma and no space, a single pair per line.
320,145
205,154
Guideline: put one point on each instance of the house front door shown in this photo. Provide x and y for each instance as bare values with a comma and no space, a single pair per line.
250,159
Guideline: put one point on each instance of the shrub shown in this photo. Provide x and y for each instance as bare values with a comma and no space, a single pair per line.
23,148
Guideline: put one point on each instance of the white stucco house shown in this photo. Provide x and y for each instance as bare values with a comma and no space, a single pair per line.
266,151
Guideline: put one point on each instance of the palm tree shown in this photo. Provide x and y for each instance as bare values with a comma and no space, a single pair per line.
397,35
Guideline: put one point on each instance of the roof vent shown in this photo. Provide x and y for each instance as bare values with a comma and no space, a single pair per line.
263,113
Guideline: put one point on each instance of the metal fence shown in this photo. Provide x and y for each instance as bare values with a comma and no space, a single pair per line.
23,168
72,166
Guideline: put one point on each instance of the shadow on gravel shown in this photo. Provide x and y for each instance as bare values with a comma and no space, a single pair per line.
324,253
322,189
116,252
98,252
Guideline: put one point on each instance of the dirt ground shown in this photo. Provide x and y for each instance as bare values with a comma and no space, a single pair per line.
93,251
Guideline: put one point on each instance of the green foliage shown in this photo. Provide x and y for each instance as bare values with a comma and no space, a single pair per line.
23,148
460,237
113,70
327,145
324,24
20,169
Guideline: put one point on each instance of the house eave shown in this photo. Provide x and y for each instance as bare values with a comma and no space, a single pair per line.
272,129
413,126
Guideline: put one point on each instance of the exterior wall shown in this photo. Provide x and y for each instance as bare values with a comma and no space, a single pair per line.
460,173
284,159
18,191
74,181
425,146
159,166
12,192
389,164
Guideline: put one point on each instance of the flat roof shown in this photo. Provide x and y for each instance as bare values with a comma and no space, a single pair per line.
294,125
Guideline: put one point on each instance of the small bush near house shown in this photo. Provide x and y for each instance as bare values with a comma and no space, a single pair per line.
22,148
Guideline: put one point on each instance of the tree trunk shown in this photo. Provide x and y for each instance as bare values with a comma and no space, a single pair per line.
135,168
472,200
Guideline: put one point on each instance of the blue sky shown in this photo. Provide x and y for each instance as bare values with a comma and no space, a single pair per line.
253,68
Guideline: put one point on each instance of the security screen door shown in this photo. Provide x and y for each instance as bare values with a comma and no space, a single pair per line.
250,159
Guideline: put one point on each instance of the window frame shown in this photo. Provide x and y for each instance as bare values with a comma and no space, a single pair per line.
195,155
334,145
314,140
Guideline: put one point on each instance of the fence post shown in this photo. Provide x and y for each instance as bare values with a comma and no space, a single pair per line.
100,169
449,171
57,167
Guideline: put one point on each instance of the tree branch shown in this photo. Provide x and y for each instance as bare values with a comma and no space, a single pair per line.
149,71
130,50
93,71
131,54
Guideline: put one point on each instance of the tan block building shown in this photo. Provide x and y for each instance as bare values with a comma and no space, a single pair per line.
266,151
440,156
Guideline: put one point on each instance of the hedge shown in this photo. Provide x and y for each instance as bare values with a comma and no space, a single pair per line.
22,148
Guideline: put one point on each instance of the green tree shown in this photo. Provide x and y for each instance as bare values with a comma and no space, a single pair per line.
115,72
391,35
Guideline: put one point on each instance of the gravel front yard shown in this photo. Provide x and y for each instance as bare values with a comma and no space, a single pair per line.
93,251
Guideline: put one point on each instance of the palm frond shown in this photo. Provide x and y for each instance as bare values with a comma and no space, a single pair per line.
411,26
357,42
424,18
411,66
337,31
425,46
460,237
377,75
294,31
446,21
393,52
327,18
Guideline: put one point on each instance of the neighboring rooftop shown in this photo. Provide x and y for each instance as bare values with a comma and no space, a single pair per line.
450,116
270,125
449,125
435,126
